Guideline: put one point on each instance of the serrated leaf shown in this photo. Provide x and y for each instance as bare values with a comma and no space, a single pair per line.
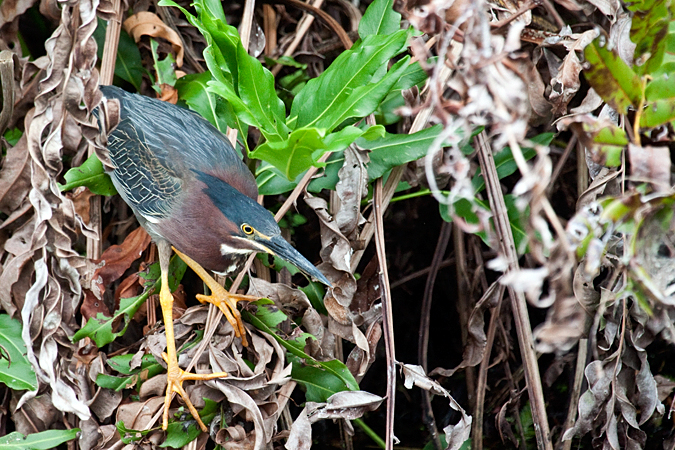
612,79
15,369
43,440
90,174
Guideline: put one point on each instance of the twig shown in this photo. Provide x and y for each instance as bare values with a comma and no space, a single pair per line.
303,27
478,411
423,340
464,306
387,314
582,354
7,77
112,38
518,303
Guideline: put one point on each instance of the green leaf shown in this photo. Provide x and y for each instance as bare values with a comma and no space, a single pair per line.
271,181
505,163
319,383
128,64
100,328
43,440
649,27
12,136
193,90
90,174
315,292
336,368
328,94
362,100
122,364
176,434
393,150
379,18
296,154
611,78
15,369
166,74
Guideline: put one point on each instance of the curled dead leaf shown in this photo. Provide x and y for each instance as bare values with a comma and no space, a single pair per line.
146,23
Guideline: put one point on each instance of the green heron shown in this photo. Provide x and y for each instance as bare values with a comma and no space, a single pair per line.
191,191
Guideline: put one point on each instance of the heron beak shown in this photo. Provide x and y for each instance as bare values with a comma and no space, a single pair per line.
279,247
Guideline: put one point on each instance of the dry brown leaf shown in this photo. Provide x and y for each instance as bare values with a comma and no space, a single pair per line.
146,23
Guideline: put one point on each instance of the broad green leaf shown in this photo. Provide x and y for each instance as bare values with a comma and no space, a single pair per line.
362,100
193,90
43,440
353,69
658,113
392,150
90,174
296,154
271,181
252,83
611,78
128,64
379,18
606,143
101,328
318,382
15,370
315,292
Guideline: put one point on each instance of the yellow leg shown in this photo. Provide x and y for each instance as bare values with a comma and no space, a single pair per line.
176,375
225,301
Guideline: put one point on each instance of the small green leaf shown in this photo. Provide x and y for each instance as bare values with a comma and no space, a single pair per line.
12,136
505,163
177,436
43,440
336,368
166,73
90,174
611,78
15,370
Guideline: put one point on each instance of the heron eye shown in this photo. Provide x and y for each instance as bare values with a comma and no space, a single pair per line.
246,228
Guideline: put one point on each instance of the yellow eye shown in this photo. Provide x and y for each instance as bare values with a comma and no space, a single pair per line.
246,228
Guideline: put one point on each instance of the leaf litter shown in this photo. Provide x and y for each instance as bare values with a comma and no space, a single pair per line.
601,269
